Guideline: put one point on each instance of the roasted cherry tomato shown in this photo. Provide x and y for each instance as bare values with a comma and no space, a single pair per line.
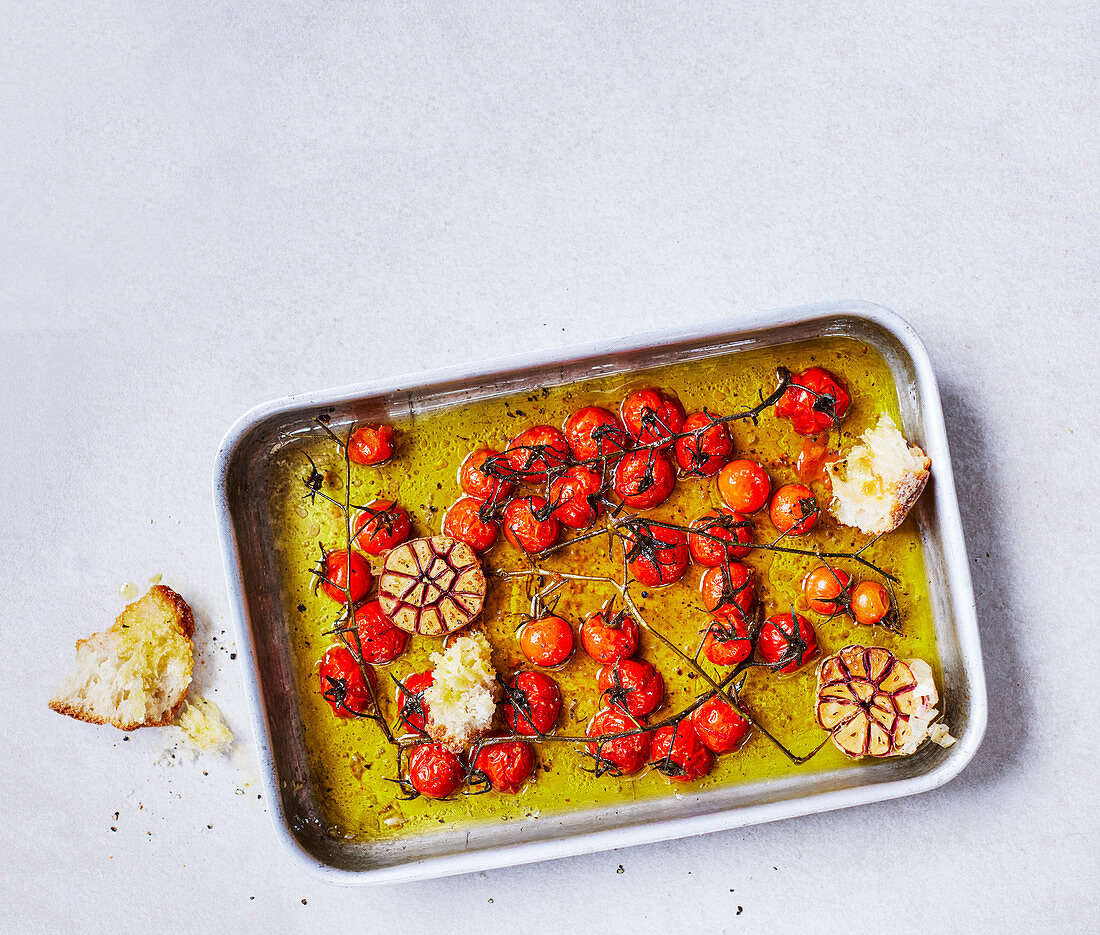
524,528
656,556
786,637
435,771
720,537
477,481
535,451
651,415
342,684
622,755
632,685
342,573
870,602
379,641
728,590
381,526
507,765
744,486
706,450
718,725
577,497
727,641
593,432
644,479
815,401
679,753
821,588
463,522
610,640
413,709
794,510
532,703
371,444
547,641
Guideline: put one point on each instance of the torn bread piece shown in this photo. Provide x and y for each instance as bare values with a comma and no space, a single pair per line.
203,727
137,672
878,481
462,699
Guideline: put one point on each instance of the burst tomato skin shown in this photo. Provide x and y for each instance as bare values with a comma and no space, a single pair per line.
779,638
606,643
651,415
435,771
633,684
705,452
744,486
547,641
594,432
341,572
536,450
371,444
822,586
733,529
507,765
678,752
414,685
728,590
478,484
342,683
727,641
644,479
525,530
542,697
662,554
576,494
463,522
794,510
381,526
379,641
623,755
815,401
870,602
718,725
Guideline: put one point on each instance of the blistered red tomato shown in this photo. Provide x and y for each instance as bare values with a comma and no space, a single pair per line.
529,524
413,709
535,451
728,590
718,725
381,526
643,479
679,753
506,765
611,639
377,640
790,638
744,486
577,497
727,641
547,641
435,771
815,401
620,755
722,535
794,510
706,449
870,602
463,522
822,587
594,432
371,444
652,415
532,703
656,556
631,684
342,682
481,480
345,574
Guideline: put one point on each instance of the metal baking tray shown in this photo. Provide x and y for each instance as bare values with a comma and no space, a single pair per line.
239,485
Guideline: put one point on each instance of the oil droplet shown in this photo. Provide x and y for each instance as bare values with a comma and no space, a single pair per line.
128,590
301,511
313,530
156,579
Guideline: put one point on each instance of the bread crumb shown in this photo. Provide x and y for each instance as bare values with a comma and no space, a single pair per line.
201,727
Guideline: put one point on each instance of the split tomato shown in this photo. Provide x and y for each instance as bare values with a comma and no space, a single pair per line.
371,444
644,479
815,401
652,415
342,682
632,685
593,432
619,756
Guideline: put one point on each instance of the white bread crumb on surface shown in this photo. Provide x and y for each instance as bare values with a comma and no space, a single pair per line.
462,699
202,727
878,481
137,672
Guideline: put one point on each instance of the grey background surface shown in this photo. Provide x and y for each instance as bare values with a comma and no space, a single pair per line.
211,204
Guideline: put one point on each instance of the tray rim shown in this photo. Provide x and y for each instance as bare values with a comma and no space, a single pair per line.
954,549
